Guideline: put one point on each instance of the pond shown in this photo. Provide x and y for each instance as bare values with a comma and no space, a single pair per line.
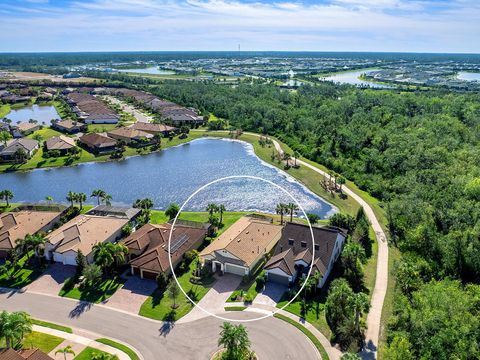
468,76
149,70
353,78
41,113
173,175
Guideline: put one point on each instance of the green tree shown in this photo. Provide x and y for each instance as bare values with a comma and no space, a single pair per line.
103,255
212,208
103,356
281,209
91,274
235,341
14,326
72,197
66,350
6,195
172,211
173,291
221,210
292,209
352,257
81,198
99,194
399,349
81,262
4,137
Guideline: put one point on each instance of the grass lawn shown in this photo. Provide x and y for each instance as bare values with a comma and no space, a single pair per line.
88,353
45,133
131,354
235,308
22,275
158,306
97,294
52,326
4,110
44,342
307,332
249,291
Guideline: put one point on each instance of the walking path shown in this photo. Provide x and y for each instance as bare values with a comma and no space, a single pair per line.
79,342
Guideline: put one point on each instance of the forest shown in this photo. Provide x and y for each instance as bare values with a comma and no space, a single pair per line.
419,153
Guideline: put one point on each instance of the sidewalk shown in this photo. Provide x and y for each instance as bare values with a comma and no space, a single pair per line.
78,343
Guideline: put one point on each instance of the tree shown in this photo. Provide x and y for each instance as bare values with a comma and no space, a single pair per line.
144,204
399,349
103,255
313,218
343,221
120,253
221,210
14,326
361,305
234,338
280,210
341,180
99,194
212,208
292,208
350,356
49,199
25,245
296,155
91,274
66,350
6,195
20,156
36,242
172,210
338,306
162,281
352,257
72,197
81,198
472,189
107,199
103,356
173,291
81,262
4,137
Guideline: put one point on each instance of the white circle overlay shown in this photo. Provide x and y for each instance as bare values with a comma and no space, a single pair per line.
204,187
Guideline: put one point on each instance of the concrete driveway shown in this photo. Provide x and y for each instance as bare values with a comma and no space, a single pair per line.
214,300
271,295
131,295
52,280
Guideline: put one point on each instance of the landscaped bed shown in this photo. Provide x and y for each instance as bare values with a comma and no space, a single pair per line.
95,294
88,353
22,275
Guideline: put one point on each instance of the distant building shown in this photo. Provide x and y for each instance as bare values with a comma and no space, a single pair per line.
69,126
98,143
26,128
9,152
131,136
153,129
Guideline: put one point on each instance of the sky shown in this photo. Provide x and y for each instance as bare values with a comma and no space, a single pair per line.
257,25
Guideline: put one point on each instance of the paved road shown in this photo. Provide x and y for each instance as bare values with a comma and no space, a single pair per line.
156,340
140,116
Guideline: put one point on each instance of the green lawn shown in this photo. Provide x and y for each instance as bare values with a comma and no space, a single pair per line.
52,326
307,332
22,275
44,342
159,305
88,353
131,354
4,110
249,289
96,294
45,133
235,308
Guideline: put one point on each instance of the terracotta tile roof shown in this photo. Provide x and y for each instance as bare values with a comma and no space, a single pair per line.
247,239
16,225
130,133
69,124
26,126
152,241
97,140
83,232
61,142
149,127
29,354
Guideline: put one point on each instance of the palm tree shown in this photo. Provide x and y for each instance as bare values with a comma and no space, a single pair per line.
25,245
296,155
107,198
361,305
341,181
71,196
103,255
5,136
292,208
145,204
221,210
81,198
14,326
172,210
36,242
6,195
66,350
120,253
211,208
234,338
98,193
49,199
280,209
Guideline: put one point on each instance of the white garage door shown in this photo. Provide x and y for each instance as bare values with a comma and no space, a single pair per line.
66,259
232,269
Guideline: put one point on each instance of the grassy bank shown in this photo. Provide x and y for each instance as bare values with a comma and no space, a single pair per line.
131,354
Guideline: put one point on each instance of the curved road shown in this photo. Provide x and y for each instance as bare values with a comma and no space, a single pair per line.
272,339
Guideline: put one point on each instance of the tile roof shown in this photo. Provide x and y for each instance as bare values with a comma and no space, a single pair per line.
130,133
69,124
61,142
29,354
97,140
24,143
16,225
143,126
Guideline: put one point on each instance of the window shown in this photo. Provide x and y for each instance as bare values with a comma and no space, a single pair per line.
304,244
317,247
290,241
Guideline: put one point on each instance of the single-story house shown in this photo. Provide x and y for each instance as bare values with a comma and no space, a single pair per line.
82,233
131,214
16,225
240,248
24,354
108,118
26,128
131,136
69,126
293,253
153,129
98,142
28,146
61,143
148,247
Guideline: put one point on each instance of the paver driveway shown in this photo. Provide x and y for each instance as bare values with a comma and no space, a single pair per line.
271,295
131,295
214,300
52,280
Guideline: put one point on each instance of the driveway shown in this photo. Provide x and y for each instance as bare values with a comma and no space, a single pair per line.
131,295
271,295
52,280
214,300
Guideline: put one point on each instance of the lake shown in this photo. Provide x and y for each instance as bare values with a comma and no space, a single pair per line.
352,78
468,76
41,113
173,175
149,70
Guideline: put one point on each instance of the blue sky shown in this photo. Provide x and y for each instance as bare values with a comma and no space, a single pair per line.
326,25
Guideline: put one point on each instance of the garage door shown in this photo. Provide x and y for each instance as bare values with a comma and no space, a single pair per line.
234,269
149,275
279,279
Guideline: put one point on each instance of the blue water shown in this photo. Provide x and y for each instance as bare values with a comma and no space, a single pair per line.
35,112
173,175
468,76
149,70
353,78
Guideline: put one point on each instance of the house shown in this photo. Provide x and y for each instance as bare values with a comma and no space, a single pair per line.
91,110
98,143
24,354
28,146
99,118
82,233
69,126
148,247
26,128
61,143
242,246
131,214
153,129
131,136
16,225
293,254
